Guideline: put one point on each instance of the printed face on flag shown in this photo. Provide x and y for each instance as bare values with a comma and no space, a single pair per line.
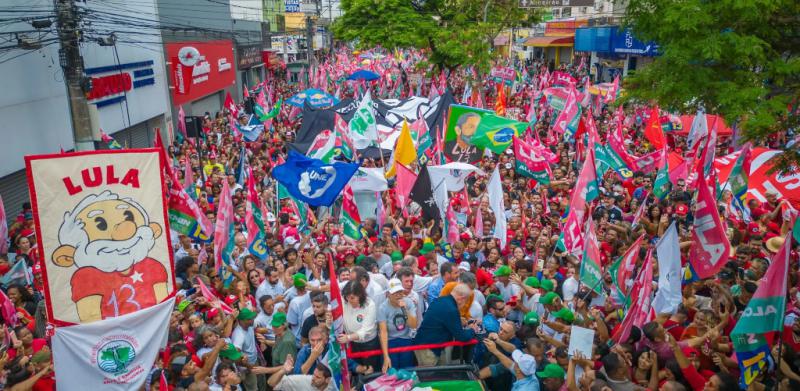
104,238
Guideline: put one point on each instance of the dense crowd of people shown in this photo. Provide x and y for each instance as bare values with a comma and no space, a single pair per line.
401,285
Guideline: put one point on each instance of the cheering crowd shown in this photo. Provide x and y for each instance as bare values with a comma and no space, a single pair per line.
510,305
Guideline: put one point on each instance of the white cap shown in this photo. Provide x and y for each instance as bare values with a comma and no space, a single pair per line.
289,241
525,362
395,286
464,265
508,166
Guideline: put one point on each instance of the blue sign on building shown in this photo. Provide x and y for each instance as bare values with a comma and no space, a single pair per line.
292,5
623,42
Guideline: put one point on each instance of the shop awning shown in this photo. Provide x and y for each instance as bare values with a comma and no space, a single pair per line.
501,40
547,42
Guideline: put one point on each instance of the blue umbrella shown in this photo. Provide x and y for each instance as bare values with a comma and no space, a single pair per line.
363,74
315,98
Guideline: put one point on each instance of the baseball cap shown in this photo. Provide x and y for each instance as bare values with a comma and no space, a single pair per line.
464,265
395,286
230,299
289,241
502,271
531,318
564,314
231,353
532,282
681,210
397,256
548,298
246,314
547,284
551,371
183,304
210,314
525,362
299,280
278,319
426,248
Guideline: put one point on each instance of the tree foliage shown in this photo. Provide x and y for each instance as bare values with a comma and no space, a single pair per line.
456,32
736,58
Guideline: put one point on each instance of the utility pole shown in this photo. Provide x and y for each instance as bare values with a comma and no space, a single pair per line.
330,25
71,62
310,39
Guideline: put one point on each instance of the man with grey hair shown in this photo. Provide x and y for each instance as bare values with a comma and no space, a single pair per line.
478,300
445,326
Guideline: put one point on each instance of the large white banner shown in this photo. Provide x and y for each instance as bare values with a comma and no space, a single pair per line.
111,354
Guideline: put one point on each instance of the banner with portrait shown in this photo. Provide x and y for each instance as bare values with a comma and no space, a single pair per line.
101,221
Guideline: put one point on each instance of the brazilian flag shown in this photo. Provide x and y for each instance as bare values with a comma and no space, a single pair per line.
497,133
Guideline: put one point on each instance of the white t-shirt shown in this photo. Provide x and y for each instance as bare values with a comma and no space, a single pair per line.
299,383
266,289
506,291
297,306
245,341
263,320
569,288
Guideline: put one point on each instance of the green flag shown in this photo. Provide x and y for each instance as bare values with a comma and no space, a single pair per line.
496,133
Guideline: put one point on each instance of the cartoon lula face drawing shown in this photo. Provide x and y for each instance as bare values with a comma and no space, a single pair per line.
108,239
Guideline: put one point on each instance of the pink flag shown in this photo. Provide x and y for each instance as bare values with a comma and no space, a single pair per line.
7,310
261,99
648,163
3,228
188,176
222,227
404,182
640,309
182,121
573,235
478,223
213,299
571,110
202,257
639,213
452,225
611,96
710,247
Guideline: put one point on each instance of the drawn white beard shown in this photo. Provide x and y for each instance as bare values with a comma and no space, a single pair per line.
115,255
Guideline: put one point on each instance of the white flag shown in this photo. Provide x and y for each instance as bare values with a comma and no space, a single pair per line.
496,204
440,196
363,125
454,174
668,295
111,354
369,179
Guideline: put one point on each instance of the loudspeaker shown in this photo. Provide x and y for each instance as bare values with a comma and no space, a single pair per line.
194,126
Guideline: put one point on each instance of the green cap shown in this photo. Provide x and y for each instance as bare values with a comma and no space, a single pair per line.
246,314
231,353
495,296
427,247
531,318
183,304
551,371
41,357
532,282
548,298
564,314
547,284
299,280
360,258
502,271
278,319
397,256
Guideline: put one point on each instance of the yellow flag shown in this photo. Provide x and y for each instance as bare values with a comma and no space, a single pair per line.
404,151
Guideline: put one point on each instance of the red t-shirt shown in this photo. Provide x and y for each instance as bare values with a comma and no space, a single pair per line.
120,293
788,338
483,278
45,383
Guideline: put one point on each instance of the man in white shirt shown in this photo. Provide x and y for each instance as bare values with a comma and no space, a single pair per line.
263,321
243,337
298,304
271,285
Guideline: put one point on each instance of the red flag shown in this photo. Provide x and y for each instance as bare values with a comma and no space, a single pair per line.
231,105
653,132
162,382
245,92
710,247
500,104
627,265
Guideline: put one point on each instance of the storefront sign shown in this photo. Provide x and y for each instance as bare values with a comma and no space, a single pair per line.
555,3
623,42
200,68
292,5
110,84
248,56
563,28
